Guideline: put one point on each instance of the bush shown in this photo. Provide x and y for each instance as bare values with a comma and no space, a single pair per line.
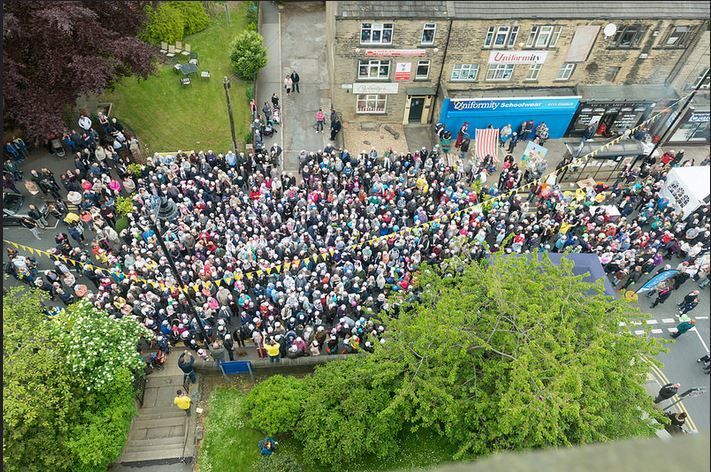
277,462
252,13
194,16
248,55
249,91
275,405
121,224
165,23
124,206
135,169
248,137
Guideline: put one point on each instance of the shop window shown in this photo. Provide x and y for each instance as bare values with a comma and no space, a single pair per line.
501,36
678,37
376,33
371,104
611,73
565,71
423,70
463,72
543,36
500,72
373,69
428,33
533,71
704,79
629,36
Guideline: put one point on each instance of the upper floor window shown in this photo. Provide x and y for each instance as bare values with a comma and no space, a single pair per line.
629,36
543,36
678,37
501,36
703,80
423,70
500,71
376,33
373,69
565,71
464,72
428,33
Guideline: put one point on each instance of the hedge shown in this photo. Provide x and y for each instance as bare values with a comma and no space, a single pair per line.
172,21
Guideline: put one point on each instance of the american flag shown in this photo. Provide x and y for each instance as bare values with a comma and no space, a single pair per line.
487,142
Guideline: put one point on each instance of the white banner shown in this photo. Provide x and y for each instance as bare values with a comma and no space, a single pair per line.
371,87
517,57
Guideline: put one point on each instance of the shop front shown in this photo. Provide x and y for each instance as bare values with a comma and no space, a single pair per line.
556,112
694,126
614,108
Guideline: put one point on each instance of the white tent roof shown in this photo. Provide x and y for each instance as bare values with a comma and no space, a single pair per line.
697,180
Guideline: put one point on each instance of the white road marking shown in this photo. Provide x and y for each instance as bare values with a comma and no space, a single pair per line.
701,317
657,331
652,322
622,323
639,332
672,330
700,338
668,320
636,323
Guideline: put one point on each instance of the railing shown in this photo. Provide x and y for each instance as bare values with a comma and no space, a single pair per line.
139,384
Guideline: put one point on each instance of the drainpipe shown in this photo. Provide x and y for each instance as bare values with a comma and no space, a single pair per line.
441,69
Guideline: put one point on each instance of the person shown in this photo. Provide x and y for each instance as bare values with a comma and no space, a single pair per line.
335,128
677,422
32,225
666,392
683,327
512,142
275,101
229,345
267,446
505,135
272,348
464,147
182,401
663,293
217,351
707,362
542,133
35,214
320,120
295,81
84,122
288,84
689,302
461,133
186,362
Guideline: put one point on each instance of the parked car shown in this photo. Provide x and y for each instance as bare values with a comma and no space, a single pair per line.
15,206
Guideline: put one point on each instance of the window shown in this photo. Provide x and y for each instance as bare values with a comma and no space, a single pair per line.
371,103
678,37
704,79
373,69
533,71
423,70
376,33
500,72
428,33
465,72
628,36
501,37
565,71
612,73
543,36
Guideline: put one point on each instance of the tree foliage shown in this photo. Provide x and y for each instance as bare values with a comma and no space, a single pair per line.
248,55
172,21
275,404
508,354
77,418
53,52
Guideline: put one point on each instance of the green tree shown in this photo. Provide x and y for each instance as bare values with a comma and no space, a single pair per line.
275,404
67,384
248,54
165,23
195,17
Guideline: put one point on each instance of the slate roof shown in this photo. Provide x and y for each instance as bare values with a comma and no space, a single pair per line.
526,10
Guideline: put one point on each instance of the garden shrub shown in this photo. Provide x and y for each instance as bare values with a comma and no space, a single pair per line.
248,55
124,206
277,462
276,404
165,23
194,16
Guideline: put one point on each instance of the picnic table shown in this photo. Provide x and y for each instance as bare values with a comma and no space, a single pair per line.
188,69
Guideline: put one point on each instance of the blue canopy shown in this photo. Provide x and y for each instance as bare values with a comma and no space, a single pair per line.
585,264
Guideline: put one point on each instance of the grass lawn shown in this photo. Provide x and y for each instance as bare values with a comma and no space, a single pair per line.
167,116
229,445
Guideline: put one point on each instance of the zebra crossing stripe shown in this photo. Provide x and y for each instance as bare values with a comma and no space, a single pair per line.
657,331
668,320
701,317
672,330
622,323
639,332
652,322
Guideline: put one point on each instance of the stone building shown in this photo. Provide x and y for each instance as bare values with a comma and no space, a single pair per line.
566,63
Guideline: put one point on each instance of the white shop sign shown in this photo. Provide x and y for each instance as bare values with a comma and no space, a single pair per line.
517,57
370,87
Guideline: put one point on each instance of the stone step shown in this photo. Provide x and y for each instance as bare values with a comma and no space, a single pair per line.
151,414
164,381
164,455
140,423
173,442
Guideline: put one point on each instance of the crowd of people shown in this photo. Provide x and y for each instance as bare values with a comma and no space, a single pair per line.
292,264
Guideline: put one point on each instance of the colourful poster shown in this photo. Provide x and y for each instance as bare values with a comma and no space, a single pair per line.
533,153
403,70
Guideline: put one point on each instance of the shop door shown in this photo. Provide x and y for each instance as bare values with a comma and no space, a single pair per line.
416,106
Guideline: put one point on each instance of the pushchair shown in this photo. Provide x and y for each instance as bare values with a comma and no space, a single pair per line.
275,116
269,128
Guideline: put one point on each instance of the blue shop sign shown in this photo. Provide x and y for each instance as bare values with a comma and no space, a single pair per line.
481,112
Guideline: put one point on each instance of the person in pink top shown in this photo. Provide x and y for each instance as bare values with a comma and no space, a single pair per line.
320,120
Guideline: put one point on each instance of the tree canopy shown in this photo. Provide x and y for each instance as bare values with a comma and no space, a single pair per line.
507,354
54,52
66,405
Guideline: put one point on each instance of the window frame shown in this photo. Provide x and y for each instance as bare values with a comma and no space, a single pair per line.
383,27
535,67
686,38
370,65
417,67
564,67
425,28
459,68
377,98
636,40
494,69
535,34
617,72
700,80
510,34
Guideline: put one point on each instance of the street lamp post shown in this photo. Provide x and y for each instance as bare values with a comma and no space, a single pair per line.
226,84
